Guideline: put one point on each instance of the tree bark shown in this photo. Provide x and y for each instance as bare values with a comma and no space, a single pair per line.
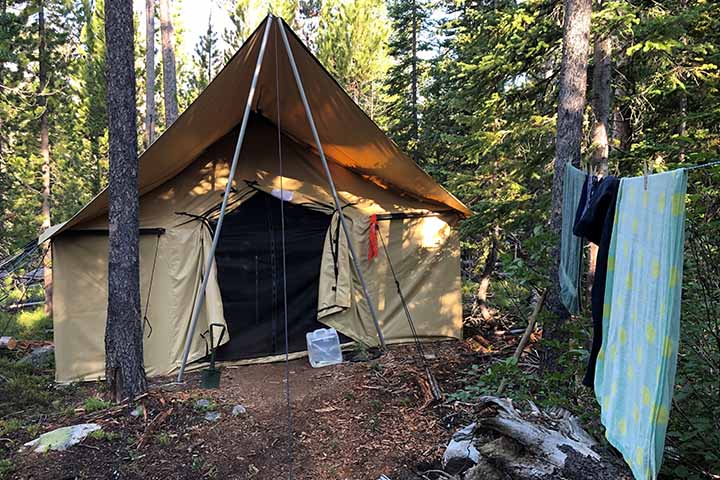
149,72
44,153
487,272
600,124
167,37
3,168
682,128
571,105
123,333
621,126
414,73
601,104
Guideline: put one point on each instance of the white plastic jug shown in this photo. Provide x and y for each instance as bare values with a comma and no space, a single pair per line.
323,346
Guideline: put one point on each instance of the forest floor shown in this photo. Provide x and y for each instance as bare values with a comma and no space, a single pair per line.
350,421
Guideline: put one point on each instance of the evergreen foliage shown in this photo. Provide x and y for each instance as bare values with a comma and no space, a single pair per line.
410,23
352,43
207,60
245,15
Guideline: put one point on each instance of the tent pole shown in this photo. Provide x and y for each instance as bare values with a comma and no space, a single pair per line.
228,188
318,144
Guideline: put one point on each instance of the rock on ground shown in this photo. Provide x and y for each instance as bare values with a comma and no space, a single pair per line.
62,438
42,357
212,416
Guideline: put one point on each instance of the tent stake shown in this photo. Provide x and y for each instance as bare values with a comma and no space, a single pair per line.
336,199
228,188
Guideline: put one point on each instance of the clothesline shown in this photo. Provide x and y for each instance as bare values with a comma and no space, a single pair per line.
714,163
704,165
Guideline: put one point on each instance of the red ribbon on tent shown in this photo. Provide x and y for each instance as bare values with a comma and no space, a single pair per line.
373,248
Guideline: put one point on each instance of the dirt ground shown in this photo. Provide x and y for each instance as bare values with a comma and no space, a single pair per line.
350,421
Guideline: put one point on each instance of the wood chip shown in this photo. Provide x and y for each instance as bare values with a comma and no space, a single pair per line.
325,410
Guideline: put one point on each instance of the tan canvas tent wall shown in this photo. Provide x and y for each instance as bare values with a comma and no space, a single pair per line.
186,170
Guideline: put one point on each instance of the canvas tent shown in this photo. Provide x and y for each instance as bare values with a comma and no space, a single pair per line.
182,177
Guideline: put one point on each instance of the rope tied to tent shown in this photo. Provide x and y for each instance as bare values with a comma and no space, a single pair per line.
146,321
434,386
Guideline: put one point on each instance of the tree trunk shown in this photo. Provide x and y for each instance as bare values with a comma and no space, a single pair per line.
487,272
44,153
600,124
167,37
682,128
3,168
95,152
123,333
149,72
3,185
415,124
621,126
601,104
571,105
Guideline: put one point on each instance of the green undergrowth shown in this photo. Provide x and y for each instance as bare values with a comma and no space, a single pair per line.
527,382
30,401
27,325
24,388
95,404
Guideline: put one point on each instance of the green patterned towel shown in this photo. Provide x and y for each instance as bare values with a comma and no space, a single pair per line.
570,245
635,372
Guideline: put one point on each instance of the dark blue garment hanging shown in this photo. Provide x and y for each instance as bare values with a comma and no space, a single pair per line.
594,221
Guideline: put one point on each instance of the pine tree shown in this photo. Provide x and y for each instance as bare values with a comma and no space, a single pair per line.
600,125
43,92
246,15
307,21
12,44
409,18
207,61
150,112
123,334
571,109
94,91
353,45
167,37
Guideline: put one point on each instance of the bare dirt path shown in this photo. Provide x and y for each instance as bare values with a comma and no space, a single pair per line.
350,421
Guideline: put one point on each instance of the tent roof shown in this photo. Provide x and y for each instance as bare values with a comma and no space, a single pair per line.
349,137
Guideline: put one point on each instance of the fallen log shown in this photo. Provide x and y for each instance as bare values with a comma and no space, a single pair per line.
537,445
7,343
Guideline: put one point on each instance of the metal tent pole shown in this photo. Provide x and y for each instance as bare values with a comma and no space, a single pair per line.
228,188
308,113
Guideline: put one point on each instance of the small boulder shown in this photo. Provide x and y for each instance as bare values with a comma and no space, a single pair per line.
39,358
62,438
212,416
238,410
461,453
